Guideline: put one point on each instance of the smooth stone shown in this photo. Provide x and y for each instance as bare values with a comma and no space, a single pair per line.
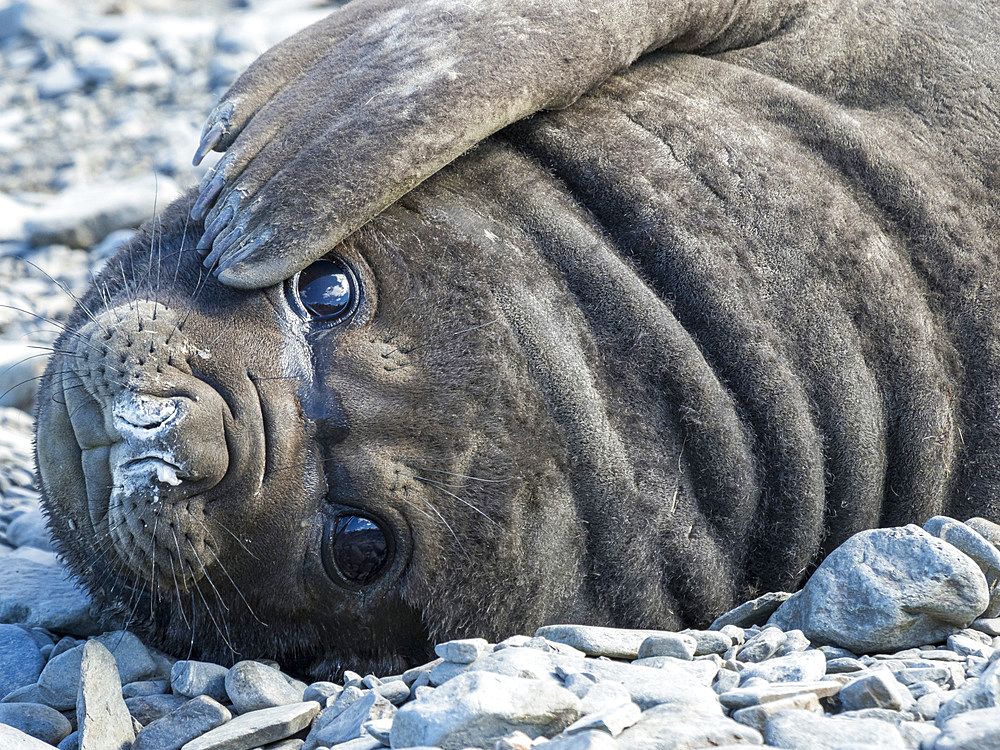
592,740
257,728
191,720
478,708
647,686
725,680
361,743
445,671
603,695
40,721
761,646
976,546
752,696
251,686
71,742
20,660
464,651
145,687
702,670
394,691
754,612
912,675
131,657
15,739
194,678
983,692
321,691
799,729
101,714
709,641
41,594
876,690
669,726
28,529
347,696
60,679
887,589
148,708
613,720
756,716
668,644
579,684
966,646
794,641
844,666
973,730
798,666
615,643
379,729
333,728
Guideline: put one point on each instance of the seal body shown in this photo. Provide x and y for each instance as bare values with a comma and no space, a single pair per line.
627,363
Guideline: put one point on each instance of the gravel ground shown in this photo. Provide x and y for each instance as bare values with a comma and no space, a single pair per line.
101,104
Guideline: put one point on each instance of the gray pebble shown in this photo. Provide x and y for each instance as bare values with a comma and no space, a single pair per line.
15,739
145,687
973,730
321,691
464,651
798,666
677,645
798,729
709,641
615,643
757,716
182,725
668,726
194,678
40,721
876,690
257,727
101,713
21,661
334,728
60,678
132,658
394,691
148,708
71,742
761,646
251,685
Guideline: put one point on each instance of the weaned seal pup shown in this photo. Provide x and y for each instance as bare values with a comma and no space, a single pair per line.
625,362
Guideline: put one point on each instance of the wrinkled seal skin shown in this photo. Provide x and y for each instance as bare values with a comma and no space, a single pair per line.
628,363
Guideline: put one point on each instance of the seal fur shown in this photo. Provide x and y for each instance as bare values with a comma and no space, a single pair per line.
638,359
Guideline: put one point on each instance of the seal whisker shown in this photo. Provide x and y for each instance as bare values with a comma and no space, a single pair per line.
475,479
177,588
86,310
429,504
453,334
441,487
236,587
239,541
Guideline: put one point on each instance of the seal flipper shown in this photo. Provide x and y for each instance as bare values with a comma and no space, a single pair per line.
339,121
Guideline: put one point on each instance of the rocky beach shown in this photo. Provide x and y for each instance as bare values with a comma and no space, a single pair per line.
893,643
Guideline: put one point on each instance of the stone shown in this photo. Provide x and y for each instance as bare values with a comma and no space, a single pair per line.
251,685
752,696
148,708
603,695
647,686
193,678
257,728
361,743
41,594
703,670
799,729
592,740
983,692
580,684
615,643
756,716
347,696
145,687
71,742
28,529
41,722
191,720
754,612
725,680
445,671
795,641
974,730
876,690
761,646
709,641
394,691
59,680
887,589
798,666
842,666
131,657
82,216
966,646
668,726
15,739
20,660
478,708
333,728
321,691
379,729
976,546
464,651
101,714
613,720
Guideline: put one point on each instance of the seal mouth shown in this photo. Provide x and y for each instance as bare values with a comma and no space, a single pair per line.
164,471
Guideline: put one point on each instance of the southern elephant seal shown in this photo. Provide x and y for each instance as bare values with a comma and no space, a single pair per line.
715,287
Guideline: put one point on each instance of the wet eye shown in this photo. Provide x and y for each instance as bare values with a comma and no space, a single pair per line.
355,549
327,290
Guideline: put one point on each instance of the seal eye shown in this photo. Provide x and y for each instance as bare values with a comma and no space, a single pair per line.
354,549
327,290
